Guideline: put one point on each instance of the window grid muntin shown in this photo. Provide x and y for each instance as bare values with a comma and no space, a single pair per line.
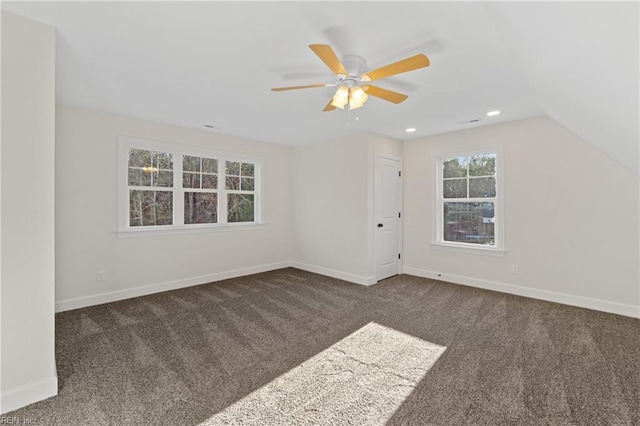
467,159
152,167
200,172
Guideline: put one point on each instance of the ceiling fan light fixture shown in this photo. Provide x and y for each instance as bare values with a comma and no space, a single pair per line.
341,97
357,97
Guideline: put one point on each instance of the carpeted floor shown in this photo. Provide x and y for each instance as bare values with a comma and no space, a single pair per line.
291,347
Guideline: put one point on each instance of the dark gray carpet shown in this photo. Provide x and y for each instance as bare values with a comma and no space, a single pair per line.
291,347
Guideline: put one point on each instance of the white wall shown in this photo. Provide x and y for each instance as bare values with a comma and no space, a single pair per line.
86,216
27,214
571,220
333,205
330,205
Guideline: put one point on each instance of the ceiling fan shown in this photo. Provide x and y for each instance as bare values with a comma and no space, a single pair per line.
353,84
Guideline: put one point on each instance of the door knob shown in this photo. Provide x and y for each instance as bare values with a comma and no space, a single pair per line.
380,225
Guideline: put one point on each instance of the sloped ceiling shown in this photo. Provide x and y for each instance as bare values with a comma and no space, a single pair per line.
197,63
581,62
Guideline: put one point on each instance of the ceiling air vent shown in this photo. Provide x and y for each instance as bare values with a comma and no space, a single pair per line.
475,120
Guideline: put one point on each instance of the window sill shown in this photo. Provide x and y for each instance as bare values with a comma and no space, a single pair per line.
469,249
185,230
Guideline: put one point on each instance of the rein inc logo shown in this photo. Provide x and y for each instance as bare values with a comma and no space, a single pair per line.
15,420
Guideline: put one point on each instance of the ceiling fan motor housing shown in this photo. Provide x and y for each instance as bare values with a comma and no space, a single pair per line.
355,65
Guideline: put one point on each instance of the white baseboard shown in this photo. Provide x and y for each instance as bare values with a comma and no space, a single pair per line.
550,296
28,394
112,296
346,276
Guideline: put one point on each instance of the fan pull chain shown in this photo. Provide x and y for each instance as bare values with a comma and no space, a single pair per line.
357,118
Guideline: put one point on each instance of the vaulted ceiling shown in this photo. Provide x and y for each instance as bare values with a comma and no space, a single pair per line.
213,63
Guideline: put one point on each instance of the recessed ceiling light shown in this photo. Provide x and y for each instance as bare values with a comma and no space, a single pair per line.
410,130
493,113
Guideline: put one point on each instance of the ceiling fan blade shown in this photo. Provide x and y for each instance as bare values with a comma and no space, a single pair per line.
308,86
409,64
329,107
328,56
387,95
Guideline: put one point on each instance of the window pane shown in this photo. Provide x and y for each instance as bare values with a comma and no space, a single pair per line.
246,184
482,187
191,180
233,183
483,165
190,164
200,207
209,165
210,181
139,158
454,188
163,161
138,177
163,178
150,208
469,222
247,169
240,208
233,168
455,167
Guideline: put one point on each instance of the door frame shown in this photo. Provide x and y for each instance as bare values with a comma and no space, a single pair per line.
376,238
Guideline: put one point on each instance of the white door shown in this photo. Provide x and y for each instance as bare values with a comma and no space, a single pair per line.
387,217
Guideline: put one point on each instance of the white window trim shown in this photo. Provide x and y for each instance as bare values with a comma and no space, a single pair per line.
498,248
124,230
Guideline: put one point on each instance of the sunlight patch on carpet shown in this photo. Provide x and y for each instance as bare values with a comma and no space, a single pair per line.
362,379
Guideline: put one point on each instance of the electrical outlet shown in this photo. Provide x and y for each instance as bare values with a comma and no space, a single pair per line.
101,276
514,269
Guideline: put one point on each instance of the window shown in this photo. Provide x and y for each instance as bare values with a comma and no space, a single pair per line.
241,194
150,181
168,186
469,201
200,183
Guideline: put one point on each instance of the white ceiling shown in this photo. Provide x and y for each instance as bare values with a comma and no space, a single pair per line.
198,63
